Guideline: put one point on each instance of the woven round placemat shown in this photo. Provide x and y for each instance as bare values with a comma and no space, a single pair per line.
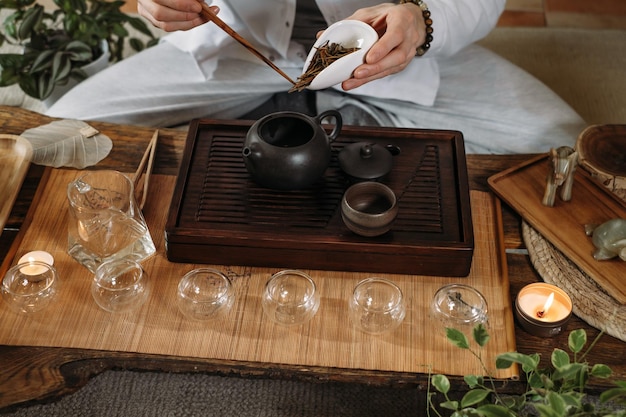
591,302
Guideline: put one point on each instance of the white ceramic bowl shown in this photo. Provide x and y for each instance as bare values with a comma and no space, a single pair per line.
349,34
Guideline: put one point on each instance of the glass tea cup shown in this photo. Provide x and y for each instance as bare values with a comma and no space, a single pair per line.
377,306
204,294
30,286
120,286
105,221
290,297
459,306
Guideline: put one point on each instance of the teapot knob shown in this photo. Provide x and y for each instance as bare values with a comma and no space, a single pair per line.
365,160
367,151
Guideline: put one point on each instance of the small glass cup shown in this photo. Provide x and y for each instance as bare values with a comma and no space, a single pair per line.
204,294
377,306
290,298
120,286
460,307
30,286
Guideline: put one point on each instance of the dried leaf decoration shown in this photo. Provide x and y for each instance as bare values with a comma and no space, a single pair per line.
67,143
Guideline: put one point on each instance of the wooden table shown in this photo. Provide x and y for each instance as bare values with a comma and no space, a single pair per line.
40,374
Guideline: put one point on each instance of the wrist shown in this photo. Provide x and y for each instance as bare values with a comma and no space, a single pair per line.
423,48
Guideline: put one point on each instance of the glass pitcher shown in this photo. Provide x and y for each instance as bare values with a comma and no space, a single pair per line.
105,222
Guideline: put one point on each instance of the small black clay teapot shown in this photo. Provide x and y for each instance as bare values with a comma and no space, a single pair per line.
289,150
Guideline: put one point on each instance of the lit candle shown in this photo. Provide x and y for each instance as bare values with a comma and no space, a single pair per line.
543,309
31,257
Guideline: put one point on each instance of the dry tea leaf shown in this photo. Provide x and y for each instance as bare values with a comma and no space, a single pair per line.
67,143
324,55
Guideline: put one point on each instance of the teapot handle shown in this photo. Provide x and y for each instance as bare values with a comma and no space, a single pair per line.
338,122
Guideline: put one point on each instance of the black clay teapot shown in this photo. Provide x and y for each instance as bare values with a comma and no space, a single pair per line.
289,150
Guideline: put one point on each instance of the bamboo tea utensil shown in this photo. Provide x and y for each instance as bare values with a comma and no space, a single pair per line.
147,161
209,15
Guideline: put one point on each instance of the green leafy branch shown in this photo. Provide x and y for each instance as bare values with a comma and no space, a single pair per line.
557,391
57,44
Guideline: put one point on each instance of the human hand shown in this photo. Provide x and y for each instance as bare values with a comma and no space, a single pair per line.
172,15
401,29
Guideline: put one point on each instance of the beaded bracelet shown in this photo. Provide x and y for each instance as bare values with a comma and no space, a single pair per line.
422,49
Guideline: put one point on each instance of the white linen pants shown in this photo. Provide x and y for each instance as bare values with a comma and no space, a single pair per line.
498,107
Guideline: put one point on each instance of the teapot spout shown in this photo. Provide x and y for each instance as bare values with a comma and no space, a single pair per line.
251,152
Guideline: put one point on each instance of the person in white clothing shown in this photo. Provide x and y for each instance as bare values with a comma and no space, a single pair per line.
197,70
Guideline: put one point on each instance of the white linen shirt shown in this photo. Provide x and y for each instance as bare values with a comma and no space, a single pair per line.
268,25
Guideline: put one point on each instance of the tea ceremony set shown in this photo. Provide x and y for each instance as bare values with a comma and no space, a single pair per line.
298,247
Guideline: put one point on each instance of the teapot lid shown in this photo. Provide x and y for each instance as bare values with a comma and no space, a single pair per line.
365,160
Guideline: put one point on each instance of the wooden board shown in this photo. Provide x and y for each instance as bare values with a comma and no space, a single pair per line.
218,213
328,340
522,188
15,155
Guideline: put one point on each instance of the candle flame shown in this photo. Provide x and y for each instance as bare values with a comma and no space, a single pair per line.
548,303
31,259
546,306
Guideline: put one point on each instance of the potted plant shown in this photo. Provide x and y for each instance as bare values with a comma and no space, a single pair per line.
56,45
556,390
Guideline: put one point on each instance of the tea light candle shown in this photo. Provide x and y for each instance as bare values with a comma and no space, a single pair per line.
543,309
38,255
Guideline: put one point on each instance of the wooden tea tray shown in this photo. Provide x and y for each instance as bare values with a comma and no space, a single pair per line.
218,214
245,337
522,188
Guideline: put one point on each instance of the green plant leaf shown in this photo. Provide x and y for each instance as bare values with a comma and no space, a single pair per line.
494,410
601,371
61,68
613,394
547,411
545,381
505,360
457,338
559,358
572,401
568,372
32,18
466,412
44,87
577,340
42,62
141,26
557,403
8,77
481,336
79,51
441,383
450,405
471,380
473,397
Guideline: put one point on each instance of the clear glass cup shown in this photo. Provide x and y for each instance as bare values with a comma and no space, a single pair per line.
204,294
105,221
290,297
120,286
30,286
377,306
459,306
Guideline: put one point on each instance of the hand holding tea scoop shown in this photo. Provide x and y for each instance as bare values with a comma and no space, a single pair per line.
336,54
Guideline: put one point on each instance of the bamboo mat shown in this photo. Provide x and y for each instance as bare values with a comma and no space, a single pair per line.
328,340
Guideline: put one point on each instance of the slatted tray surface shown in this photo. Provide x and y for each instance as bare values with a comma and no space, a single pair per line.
245,334
219,213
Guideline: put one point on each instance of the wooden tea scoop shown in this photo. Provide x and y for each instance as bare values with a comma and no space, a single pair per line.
209,15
